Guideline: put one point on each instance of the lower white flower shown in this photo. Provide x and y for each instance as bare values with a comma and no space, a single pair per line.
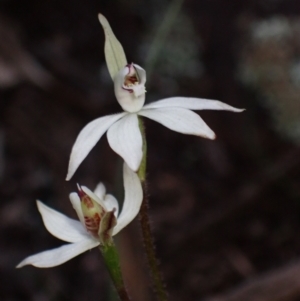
99,220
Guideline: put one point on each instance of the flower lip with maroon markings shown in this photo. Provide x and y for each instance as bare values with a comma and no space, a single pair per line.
99,220
132,80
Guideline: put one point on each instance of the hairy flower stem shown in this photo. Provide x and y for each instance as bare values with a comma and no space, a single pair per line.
148,240
112,262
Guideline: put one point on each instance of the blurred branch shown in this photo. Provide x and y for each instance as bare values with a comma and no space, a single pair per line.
161,34
16,64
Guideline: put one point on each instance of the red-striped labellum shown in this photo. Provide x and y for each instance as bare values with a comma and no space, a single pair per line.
92,213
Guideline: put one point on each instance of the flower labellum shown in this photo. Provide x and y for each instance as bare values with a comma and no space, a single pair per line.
98,221
129,84
132,82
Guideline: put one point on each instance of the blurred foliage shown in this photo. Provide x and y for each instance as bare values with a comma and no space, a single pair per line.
270,63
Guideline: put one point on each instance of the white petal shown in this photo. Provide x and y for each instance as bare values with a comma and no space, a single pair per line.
59,255
100,191
111,203
180,120
76,203
133,199
192,104
61,226
125,139
109,200
87,139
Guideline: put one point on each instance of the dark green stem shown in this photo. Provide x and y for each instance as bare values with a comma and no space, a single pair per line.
148,241
112,262
143,166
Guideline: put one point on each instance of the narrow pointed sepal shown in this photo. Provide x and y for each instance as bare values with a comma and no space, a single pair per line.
114,52
133,199
87,139
61,226
100,191
58,256
180,120
192,103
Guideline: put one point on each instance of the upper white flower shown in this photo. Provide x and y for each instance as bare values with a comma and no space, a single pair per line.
94,226
123,131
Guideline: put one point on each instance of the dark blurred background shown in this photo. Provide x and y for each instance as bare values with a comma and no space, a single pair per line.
225,213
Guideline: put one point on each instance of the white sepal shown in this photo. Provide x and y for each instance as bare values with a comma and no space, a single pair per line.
87,139
111,203
132,201
76,203
114,52
61,226
100,191
54,257
192,104
180,120
125,138
109,200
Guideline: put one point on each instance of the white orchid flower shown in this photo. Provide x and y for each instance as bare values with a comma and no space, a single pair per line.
123,132
98,221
